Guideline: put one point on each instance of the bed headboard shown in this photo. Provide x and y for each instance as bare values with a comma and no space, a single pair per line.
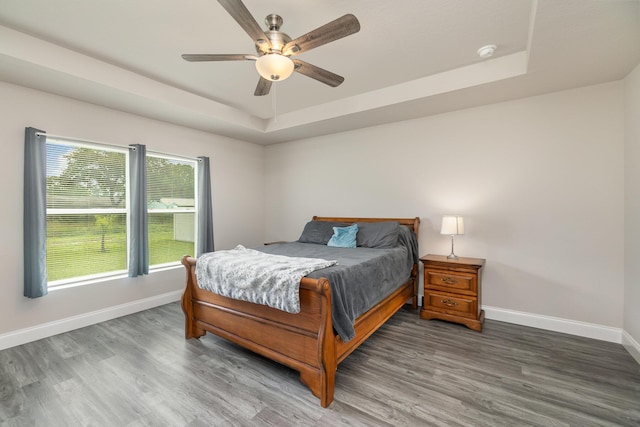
412,223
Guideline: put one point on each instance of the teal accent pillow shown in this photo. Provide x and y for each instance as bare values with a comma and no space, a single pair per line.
344,237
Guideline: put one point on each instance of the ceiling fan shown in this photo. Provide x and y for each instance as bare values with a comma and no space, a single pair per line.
276,48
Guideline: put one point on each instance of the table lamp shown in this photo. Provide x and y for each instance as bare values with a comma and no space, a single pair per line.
452,225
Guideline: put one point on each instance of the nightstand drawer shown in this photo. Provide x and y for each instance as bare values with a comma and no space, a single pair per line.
459,305
450,281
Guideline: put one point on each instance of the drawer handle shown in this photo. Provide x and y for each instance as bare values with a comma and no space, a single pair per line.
449,280
449,303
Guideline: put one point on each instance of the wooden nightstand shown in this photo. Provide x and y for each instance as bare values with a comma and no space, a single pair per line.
452,290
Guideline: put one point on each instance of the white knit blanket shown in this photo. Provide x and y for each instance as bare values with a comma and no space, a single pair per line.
254,276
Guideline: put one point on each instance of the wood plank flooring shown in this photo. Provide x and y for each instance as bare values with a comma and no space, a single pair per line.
138,370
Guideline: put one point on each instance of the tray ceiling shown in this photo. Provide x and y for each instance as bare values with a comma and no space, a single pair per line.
406,62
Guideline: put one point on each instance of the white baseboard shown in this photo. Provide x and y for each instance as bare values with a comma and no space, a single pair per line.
23,336
556,324
573,327
631,345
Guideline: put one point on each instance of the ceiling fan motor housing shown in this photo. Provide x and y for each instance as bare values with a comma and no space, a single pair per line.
277,38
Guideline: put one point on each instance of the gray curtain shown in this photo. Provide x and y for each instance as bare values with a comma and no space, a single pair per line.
139,247
35,214
205,213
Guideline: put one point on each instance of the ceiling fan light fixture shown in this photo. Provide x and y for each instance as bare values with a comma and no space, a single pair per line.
274,67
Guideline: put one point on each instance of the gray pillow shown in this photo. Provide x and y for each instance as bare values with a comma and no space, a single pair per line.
319,231
381,235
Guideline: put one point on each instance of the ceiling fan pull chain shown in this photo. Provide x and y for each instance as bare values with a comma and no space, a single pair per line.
274,102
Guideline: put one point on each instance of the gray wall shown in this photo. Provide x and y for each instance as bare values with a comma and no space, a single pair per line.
545,184
539,181
632,206
237,171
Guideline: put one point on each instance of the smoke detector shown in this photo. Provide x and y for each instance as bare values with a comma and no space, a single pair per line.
487,51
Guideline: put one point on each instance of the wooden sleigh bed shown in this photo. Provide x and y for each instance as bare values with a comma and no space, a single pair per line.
305,341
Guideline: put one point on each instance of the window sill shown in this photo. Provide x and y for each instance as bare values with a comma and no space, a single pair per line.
119,276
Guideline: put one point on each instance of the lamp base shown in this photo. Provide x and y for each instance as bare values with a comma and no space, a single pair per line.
452,255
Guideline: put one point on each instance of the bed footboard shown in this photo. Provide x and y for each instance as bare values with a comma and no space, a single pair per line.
304,341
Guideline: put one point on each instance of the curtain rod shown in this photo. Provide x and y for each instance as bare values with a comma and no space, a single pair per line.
70,139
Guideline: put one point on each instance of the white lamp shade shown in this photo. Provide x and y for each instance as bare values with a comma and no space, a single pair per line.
452,225
274,67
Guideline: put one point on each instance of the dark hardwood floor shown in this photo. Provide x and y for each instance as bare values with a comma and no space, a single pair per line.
138,370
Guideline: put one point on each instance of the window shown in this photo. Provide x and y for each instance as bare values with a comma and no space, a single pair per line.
171,207
87,210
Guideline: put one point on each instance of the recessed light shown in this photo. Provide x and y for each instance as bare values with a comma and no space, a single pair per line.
487,51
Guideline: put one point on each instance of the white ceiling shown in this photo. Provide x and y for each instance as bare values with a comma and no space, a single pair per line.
411,58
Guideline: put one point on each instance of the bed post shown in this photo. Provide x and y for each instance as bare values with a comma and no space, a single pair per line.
190,329
321,381
414,271
414,279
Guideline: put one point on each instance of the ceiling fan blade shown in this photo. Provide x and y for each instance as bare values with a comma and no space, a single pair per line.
243,17
263,88
196,57
317,73
334,30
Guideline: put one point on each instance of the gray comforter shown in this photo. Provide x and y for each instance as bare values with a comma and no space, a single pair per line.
362,278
